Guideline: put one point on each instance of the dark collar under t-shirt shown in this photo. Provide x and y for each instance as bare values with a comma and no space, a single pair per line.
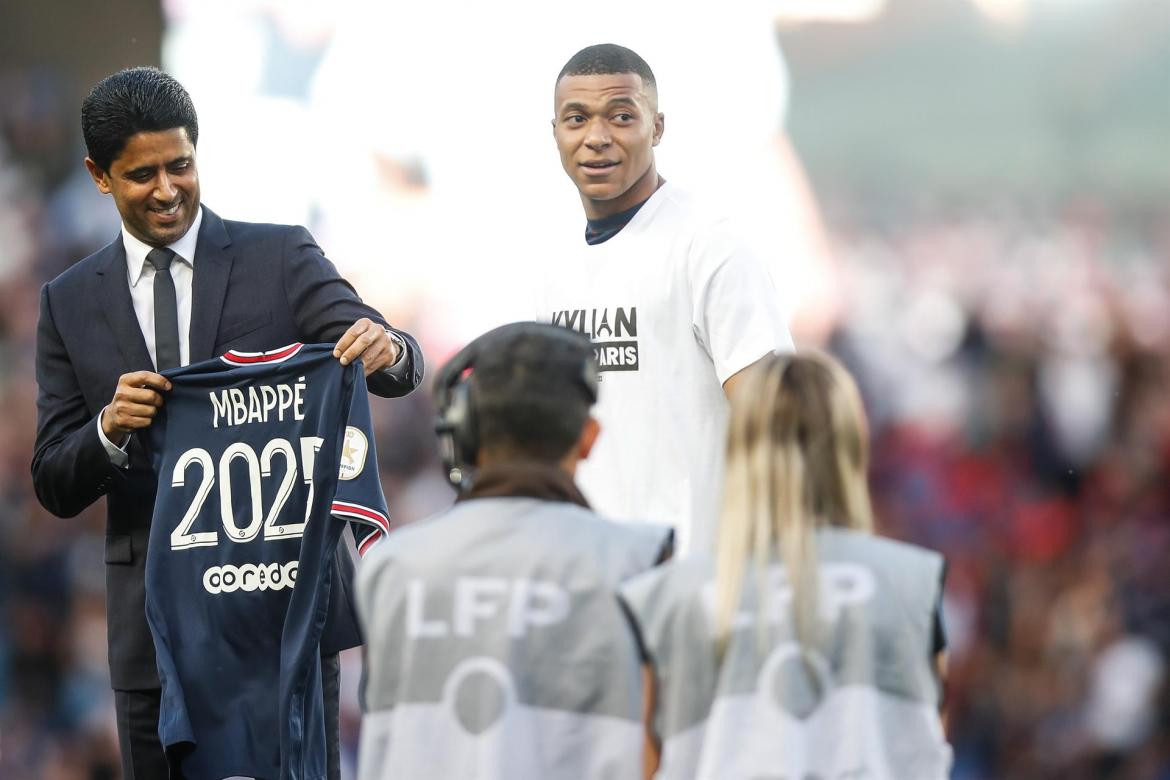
598,231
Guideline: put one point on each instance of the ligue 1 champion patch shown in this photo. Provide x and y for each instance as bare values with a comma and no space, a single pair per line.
353,453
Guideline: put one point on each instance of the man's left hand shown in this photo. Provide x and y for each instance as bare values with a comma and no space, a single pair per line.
367,340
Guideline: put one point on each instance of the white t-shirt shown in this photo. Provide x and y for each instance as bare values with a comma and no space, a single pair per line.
675,306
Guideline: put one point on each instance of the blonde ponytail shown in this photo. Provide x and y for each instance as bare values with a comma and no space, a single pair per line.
797,453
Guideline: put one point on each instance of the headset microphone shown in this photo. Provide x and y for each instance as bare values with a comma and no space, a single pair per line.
455,386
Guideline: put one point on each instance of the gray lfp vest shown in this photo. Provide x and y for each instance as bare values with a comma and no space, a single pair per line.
858,703
496,646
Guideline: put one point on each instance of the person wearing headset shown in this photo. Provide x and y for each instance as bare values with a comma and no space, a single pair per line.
495,643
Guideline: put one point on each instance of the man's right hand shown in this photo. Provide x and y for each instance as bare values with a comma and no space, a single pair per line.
136,401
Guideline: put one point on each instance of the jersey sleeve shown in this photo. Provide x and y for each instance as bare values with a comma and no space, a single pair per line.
358,498
736,311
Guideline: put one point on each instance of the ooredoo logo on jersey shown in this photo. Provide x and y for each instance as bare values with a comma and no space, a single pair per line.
250,577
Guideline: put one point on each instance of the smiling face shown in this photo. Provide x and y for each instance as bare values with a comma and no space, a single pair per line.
154,184
606,128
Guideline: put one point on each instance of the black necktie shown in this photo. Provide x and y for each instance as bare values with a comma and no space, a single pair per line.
166,311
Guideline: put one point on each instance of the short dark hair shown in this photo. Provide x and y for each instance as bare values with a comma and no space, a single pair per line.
532,392
132,101
603,59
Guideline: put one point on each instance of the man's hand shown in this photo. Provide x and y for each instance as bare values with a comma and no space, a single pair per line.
136,401
367,340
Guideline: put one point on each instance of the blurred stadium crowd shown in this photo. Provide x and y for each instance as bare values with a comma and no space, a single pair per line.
1016,368
1018,377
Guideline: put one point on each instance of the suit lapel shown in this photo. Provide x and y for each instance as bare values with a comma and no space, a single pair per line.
213,267
118,309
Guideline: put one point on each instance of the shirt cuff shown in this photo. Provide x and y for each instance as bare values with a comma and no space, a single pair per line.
398,368
117,453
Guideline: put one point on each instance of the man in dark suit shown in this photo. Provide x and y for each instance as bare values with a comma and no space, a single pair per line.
178,285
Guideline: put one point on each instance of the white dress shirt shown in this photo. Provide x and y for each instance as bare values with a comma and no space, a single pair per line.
140,275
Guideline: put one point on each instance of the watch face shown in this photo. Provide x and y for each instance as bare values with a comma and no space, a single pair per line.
401,342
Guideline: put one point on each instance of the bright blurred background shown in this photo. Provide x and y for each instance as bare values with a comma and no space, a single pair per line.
988,249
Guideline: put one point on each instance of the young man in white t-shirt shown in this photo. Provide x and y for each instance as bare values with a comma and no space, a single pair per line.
675,304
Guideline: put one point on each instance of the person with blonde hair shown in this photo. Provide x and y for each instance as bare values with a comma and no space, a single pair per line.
809,647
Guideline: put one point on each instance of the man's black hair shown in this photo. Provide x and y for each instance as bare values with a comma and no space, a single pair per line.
132,101
603,59
532,393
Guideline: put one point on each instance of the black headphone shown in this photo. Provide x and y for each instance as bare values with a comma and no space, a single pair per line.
456,424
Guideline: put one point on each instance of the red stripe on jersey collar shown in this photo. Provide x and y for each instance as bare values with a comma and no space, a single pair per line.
272,356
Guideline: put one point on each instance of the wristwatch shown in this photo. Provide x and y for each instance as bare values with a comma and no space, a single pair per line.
401,342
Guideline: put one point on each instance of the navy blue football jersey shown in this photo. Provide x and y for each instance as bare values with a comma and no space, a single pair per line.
262,458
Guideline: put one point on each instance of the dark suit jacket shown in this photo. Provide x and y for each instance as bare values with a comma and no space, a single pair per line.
255,287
